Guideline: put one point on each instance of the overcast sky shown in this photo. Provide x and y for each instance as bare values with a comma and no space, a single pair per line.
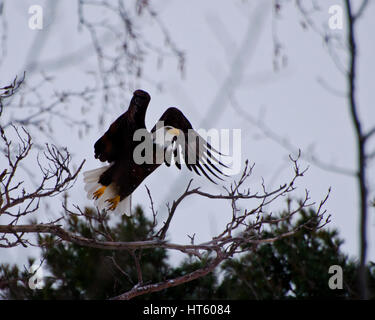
229,47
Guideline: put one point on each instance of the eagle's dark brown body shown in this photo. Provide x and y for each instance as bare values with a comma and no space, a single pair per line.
117,146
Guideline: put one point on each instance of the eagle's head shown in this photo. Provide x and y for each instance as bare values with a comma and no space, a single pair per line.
141,98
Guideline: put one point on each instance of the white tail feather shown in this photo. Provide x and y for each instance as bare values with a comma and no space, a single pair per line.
91,180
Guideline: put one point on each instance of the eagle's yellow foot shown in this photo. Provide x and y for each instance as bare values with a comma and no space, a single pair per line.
114,202
98,193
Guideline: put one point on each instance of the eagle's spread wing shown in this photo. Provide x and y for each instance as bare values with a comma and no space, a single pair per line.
187,146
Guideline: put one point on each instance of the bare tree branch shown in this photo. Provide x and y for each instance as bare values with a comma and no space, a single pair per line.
361,9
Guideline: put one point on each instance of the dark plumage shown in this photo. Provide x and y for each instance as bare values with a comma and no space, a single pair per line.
113,185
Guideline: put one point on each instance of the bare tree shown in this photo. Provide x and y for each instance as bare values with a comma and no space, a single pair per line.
362,137
335,45
242,232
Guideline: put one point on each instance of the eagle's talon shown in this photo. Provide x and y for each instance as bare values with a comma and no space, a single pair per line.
98,193
114,202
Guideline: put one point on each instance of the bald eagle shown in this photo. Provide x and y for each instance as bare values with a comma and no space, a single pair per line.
111,186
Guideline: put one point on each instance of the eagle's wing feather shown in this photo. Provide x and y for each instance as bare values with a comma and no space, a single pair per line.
194,151
107,145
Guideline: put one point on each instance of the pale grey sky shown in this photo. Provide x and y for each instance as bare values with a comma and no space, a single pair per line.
229,49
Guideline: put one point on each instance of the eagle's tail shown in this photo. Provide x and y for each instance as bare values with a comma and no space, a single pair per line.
105,197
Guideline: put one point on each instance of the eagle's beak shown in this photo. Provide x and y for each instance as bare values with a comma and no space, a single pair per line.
174,132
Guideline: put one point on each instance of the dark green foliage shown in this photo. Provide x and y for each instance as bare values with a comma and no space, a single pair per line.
89,273
202,288
292,267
